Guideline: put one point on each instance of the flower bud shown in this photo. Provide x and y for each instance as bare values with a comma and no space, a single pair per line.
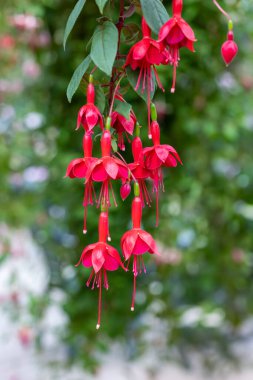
229,49
125,190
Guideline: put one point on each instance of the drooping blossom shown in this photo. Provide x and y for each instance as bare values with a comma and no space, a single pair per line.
105,169
144,55
139,172
156,157
229,49
89,115
136,242
78,169
175,34
123,126
101,257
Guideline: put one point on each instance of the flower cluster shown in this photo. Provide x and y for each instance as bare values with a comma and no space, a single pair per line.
147,164
100,173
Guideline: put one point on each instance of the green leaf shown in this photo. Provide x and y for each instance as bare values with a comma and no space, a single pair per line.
104,46
72,20
123,108
132,76
77,77
101,4
154,13
100,99
114,145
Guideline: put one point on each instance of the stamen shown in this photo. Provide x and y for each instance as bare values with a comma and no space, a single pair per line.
134,293
99,300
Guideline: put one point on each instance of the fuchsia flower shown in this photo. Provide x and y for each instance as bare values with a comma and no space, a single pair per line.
136,242
101,257
229,49
89,115
143,56
78,169
123,126
105,169
155,158
139,172
176,33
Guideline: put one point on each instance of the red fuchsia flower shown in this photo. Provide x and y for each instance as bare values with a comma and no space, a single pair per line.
139,172
176,33
155,158
105,169
229,49
136,242
143,56
78,169
101,257
89,115
123,126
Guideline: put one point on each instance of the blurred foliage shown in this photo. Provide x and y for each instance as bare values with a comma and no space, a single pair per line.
200,293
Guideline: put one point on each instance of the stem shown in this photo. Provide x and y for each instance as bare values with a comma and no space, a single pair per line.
221,9
119,26
99,301
122,158
134,291
114,94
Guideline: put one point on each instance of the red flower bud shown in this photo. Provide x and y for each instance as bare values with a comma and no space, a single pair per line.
125,190
229,49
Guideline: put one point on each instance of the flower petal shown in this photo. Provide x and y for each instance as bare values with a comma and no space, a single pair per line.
98,173
187,30
161,152
111,167
166,28
140,49
98,257
128,242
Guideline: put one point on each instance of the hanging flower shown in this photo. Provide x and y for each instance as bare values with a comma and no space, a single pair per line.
78,169
136,242
176,33
123,126
155,158
101,257
89,115
143,56
229,49
105,169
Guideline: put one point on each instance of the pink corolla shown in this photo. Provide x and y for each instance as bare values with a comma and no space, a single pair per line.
105,169
101,257
156,157
136,242
78,169
175,34
89,115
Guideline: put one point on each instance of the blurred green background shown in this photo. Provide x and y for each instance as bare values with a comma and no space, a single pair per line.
199,295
